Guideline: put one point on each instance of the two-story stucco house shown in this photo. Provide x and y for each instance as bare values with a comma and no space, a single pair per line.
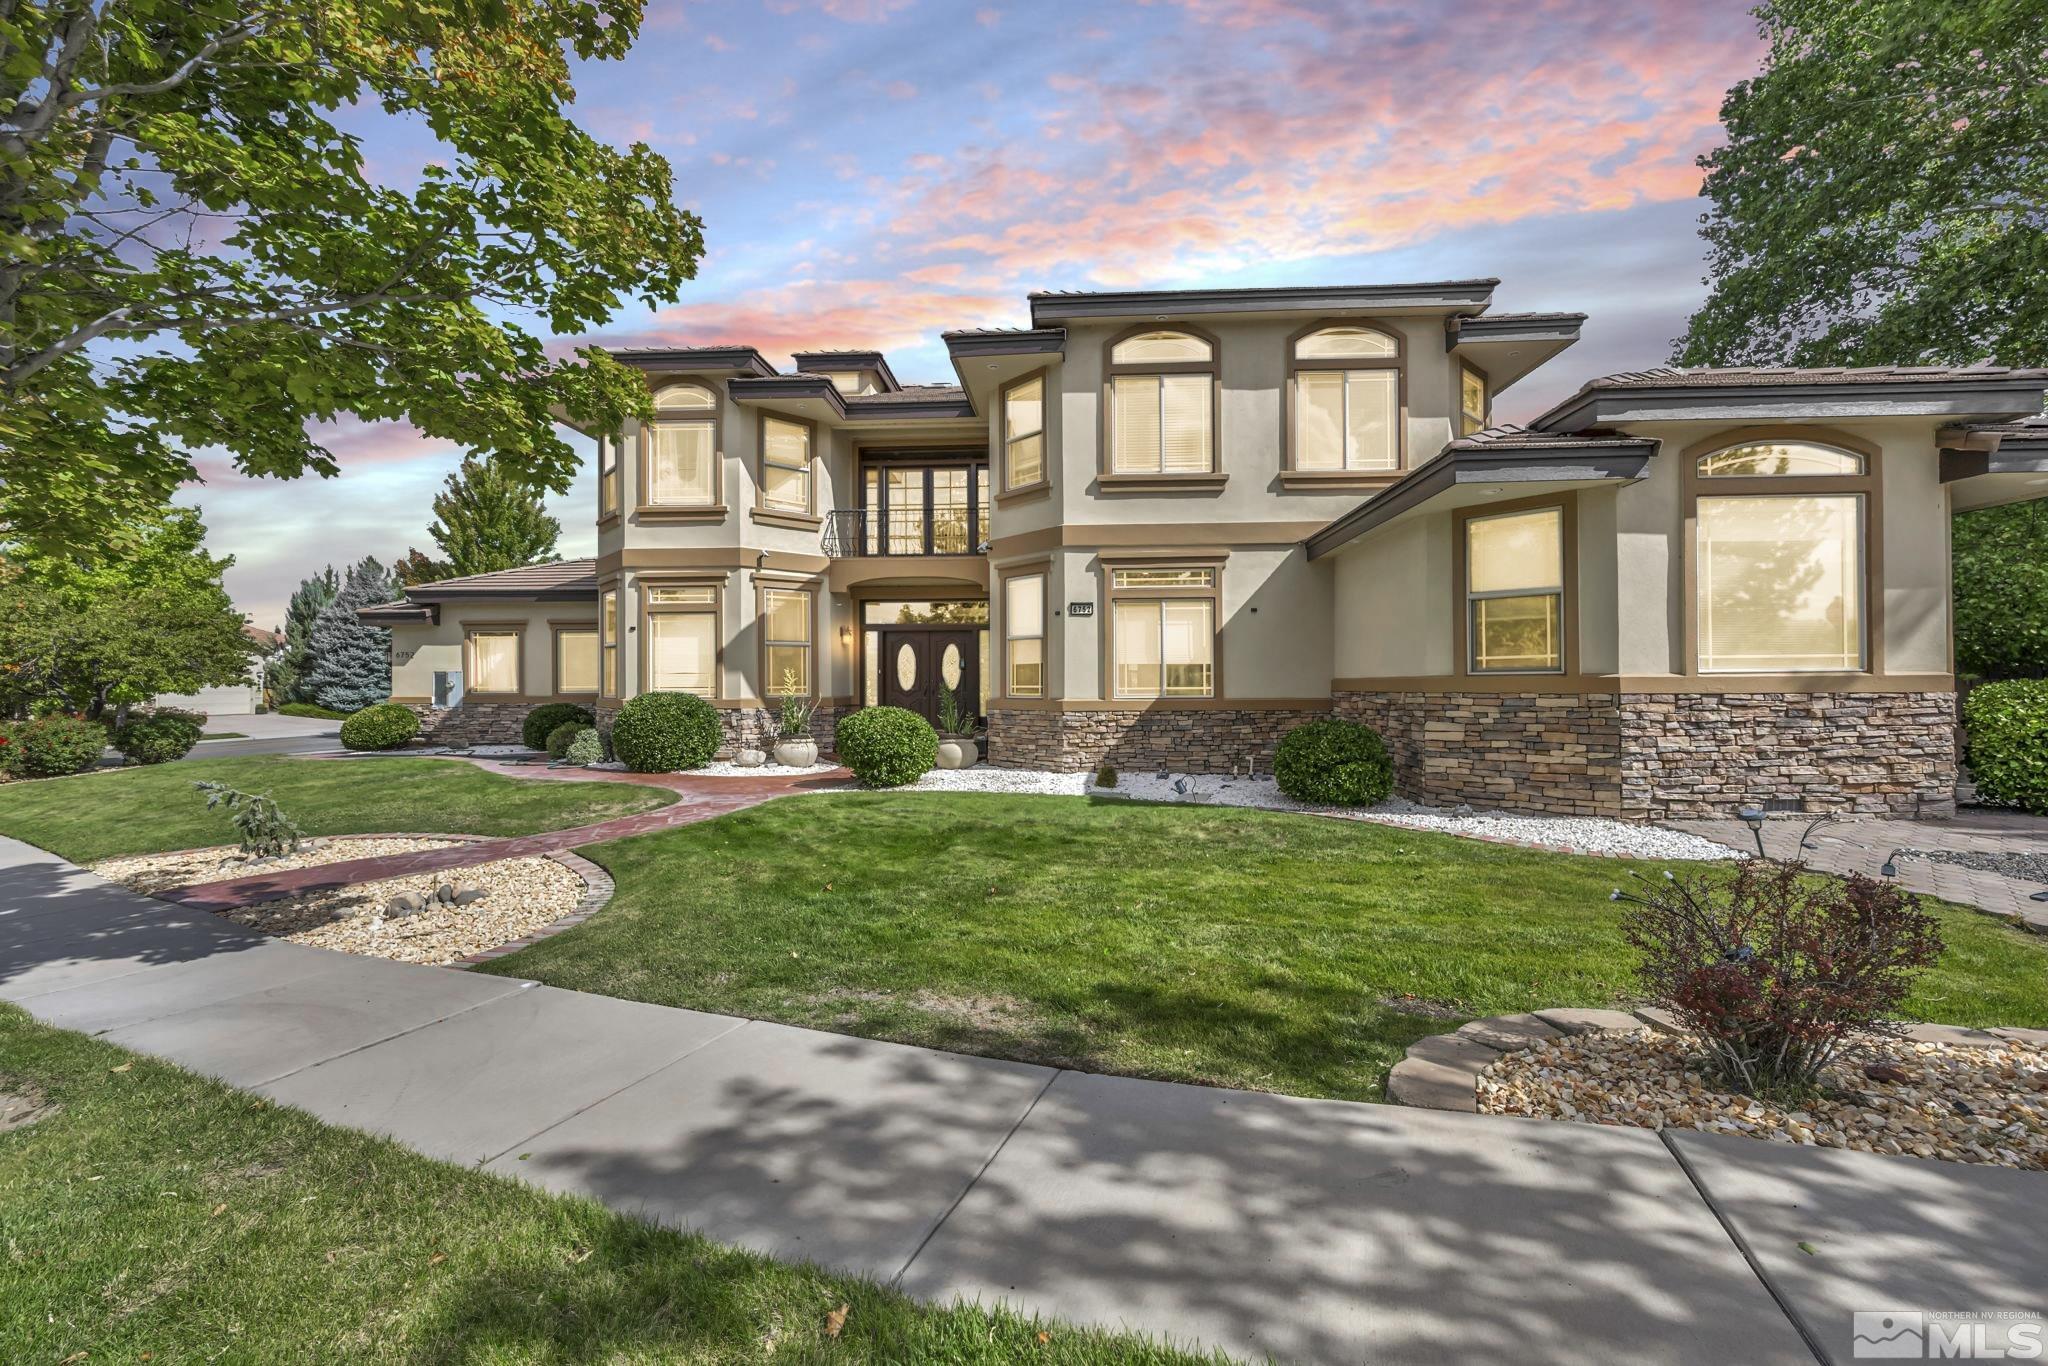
1159,528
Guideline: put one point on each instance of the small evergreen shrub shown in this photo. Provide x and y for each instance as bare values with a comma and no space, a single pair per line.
661,732
585,749
386,725
559,738
312,711
51,746
1105,776
264,831
1334,763
1776,971
543,721
159,736
2007,748
886,746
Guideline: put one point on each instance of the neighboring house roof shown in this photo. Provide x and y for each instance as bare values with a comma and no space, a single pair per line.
559,579
268,639
1748,393
1498,455
1053,305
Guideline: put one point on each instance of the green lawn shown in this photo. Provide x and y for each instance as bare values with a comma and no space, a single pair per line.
147,810
1231,947
223,735
157,1216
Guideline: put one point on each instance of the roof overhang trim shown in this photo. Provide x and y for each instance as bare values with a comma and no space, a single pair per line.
1456,295
1985,399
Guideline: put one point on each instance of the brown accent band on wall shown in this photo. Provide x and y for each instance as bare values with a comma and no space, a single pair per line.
914,573
716,557
1139,535
1709,685
506,699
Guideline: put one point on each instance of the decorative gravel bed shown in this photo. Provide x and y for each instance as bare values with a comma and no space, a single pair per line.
2025,867
150,873
1930,1100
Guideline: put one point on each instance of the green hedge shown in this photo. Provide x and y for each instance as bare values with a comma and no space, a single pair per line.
1334,763
886,746
382,725
561,736
2007,729
544,720
160,736
661,732
50,746
312,711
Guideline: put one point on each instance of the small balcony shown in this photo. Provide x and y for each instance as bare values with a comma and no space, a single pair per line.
912,510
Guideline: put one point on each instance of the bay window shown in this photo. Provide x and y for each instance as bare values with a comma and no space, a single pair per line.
1514,592
682,451
1162,404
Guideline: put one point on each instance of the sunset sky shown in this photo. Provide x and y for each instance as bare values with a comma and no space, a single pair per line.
871,172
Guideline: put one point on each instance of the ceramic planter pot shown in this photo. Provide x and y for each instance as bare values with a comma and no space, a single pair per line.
958,751
796,753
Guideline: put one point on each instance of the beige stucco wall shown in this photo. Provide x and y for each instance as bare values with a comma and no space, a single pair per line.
1391,602
417,652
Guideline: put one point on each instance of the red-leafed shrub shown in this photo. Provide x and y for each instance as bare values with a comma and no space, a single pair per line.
1775,968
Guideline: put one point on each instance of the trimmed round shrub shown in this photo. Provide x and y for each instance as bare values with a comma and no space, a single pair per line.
2007,745
660,732
886,746
160,736
559,738
543,721
381,725
1334,763
586,749
51,746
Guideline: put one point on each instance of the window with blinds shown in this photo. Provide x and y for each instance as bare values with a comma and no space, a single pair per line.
1347,400
493,662
682,652
786,642
1165,648
576,661
1514,592
1024,635
785,465
1160,424
1024,433
680,472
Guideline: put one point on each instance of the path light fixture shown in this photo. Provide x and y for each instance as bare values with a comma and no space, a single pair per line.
1753,817
2039,896
1891,864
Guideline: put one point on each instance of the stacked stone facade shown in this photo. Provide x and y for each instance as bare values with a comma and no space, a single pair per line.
1558,753
1698,754
472,723
755,727
1205,740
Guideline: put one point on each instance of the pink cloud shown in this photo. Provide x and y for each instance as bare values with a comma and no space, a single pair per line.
846,11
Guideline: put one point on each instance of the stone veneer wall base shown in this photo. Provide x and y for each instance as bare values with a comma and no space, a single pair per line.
1201,741
754,727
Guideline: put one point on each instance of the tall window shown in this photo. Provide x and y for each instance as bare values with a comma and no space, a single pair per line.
608,640
682,457
1024,635
681,625
607,475
1162,397
1514,592
785,642
785,465
575,661
1163,629
1472,400
1024,433
1779,573
493,662
1347,400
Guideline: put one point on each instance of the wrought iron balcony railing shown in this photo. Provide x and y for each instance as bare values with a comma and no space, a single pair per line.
854,532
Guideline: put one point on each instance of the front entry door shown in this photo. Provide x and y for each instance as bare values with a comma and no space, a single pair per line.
917,660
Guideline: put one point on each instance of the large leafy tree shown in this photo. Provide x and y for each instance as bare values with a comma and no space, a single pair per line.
195,252
486,519
1882,199
115,629
350,665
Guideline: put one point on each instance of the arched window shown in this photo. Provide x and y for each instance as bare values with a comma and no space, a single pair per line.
682,450
1162,403
1346,400
1780,557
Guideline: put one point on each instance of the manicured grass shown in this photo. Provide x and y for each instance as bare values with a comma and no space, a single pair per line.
147,810
223,735
157,1216
1231,947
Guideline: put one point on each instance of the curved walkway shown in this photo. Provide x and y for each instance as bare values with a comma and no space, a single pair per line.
697,799
1308,1230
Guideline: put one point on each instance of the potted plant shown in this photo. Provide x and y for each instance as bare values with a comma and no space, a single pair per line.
795,748
956,733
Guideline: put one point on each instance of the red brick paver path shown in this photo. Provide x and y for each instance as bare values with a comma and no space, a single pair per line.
697,799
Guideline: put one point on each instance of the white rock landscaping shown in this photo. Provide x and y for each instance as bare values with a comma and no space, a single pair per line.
150,873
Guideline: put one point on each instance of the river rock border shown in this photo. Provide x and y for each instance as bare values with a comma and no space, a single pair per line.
1441,1072
597,894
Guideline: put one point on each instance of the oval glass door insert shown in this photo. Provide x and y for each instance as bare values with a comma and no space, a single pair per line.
949,666
906,666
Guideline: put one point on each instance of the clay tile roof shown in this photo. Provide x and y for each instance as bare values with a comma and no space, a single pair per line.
561,578
1744,376
1509,437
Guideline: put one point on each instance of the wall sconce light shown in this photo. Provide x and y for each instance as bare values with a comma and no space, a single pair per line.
846,635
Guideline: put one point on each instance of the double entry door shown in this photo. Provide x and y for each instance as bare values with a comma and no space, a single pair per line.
918,660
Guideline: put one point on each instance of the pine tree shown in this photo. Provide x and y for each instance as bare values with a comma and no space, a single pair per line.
287,673
488,521
351,660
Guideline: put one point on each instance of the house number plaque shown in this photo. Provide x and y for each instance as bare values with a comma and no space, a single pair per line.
1080,609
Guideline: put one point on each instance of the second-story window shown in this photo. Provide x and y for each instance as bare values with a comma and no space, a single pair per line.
1024,433
1162,404
785,465
1473,401
607,475
1347,400
682,457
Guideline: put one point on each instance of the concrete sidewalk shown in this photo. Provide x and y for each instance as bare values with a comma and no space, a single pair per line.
1259,1224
